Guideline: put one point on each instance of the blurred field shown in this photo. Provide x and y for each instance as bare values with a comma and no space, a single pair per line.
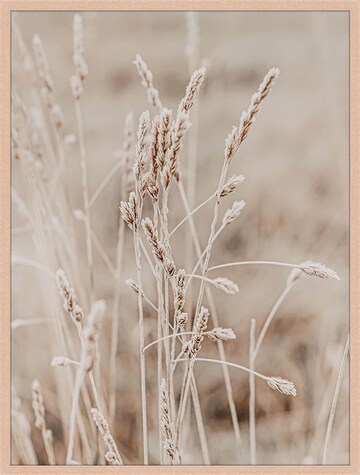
296,164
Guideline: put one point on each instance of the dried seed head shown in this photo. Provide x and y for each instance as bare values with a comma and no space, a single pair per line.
42,66
81,67
169,266
141,145
39,411
129,211
227,285
164,140
132,285
181,126
38,405
153,189
152,237
256,102
127,146
192,347
154,146
166,176
232,213
232,143
112,456
179,291
220,333
147,81
143,185
239,134
192,90
231,185
318,270
152,186
166,426
57,116
68,293
282,385
181,320
76,86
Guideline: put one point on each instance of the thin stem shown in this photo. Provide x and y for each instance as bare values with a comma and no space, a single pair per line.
191,213
20,322
245,263
174,335
47,439
200,422
147,300
75,400
171,372
228,363
335,400
184,395
270,317
91,377
31,263
104,182
104,255
141,347
252,423
79,121
143,248
115,318
202,254
201,277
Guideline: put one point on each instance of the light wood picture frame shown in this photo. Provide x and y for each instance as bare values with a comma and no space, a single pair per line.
351,354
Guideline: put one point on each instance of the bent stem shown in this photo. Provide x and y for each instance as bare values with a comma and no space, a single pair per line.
271,315
104,182
228,363
191,213
246,263
202,254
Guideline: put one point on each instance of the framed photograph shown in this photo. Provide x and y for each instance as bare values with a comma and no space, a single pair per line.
180,237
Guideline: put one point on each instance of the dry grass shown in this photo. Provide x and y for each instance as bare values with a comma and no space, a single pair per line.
128,383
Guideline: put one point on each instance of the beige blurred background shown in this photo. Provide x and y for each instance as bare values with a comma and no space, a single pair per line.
296,164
